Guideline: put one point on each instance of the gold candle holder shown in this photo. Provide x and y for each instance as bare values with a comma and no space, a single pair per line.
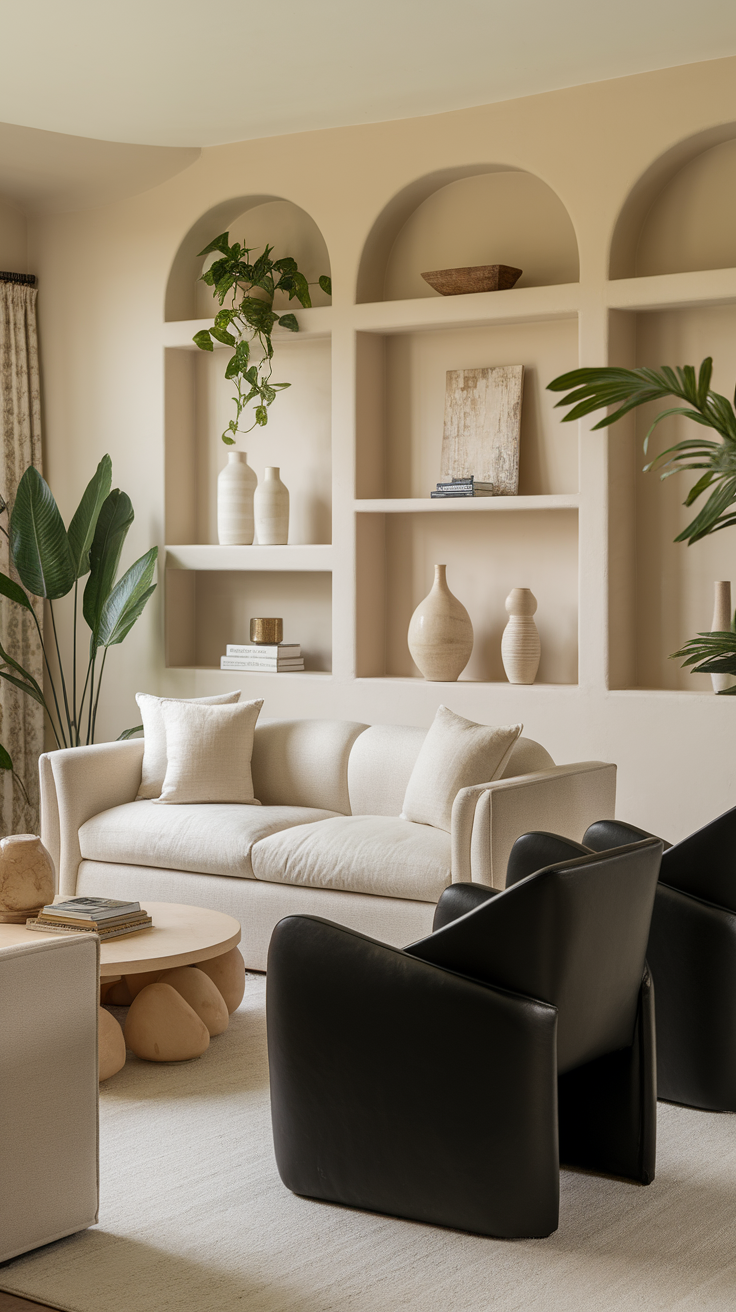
266,630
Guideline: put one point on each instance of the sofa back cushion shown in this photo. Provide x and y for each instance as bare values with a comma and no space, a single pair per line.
383,757
304,763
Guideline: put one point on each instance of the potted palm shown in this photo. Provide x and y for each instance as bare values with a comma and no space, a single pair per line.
50,560
589,390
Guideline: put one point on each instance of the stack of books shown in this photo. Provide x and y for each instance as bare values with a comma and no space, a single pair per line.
463,487
265,658
91,915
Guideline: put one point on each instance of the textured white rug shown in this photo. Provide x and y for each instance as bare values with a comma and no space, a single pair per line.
193,1218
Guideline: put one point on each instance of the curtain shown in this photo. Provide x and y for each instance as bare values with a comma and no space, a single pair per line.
21,718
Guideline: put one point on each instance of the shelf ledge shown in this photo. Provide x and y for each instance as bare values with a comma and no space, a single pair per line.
405,505
313,323
301,557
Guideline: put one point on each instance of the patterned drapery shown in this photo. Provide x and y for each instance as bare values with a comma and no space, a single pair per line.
21,718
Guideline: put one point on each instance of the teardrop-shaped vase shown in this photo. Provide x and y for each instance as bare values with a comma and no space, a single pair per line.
440,633
236,484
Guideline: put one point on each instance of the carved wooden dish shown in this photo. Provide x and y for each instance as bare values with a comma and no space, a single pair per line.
476,278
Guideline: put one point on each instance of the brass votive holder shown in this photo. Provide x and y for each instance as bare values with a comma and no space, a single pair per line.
266,630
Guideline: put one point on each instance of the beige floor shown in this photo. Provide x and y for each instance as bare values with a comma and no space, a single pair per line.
195,1219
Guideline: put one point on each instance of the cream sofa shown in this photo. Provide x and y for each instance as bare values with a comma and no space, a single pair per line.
327,840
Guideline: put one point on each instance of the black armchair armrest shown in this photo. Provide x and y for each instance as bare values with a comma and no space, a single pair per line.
458,899
407,1089
537,849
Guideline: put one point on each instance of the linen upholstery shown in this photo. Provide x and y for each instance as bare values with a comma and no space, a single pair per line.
153,769
304,762
259,906
213,840
48,1090
374,854
455,754
209,751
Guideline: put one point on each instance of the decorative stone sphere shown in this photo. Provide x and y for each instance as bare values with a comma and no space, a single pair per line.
27,877
161,1026
200,992
111,1047
227,973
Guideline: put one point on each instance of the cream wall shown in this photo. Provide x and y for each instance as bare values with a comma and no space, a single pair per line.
13,239
103,279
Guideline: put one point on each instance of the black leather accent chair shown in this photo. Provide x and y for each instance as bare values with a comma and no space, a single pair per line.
692,957
426,1083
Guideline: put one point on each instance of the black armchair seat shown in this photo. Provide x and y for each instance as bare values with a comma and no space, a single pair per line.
692,956
445,1082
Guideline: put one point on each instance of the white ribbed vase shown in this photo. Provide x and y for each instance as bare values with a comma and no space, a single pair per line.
236,484
721,624
272,510
440,634
520,645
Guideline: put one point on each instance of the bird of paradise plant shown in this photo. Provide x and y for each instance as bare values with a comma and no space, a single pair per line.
595,389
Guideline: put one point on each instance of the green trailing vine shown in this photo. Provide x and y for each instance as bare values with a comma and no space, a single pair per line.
595,389
251,319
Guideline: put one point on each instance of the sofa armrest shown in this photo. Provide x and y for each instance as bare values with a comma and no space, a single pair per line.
488,818
77,783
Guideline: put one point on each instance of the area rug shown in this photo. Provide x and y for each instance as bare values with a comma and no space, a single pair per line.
194,1218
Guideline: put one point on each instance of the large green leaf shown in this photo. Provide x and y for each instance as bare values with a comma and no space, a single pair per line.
14,592
126,601
38,540
5,761
83,525
113,523
128,733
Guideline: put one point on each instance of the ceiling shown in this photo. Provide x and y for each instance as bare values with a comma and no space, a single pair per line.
175,73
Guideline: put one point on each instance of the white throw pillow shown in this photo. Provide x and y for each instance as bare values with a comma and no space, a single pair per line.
455,754
154,737
209,749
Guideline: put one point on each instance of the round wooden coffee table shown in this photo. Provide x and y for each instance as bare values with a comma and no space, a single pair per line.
180,936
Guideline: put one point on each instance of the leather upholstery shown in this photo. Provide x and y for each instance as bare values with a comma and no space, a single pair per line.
533,851
692,956
373,1050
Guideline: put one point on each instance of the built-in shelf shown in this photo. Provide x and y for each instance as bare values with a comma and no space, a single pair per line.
673,290
412,681
313,323
311,556
517,305
402,505
242,675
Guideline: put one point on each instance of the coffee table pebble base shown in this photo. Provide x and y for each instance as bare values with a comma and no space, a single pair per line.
172,1013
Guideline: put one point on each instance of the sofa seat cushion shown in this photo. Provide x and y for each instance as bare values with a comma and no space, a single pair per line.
215,839
378,854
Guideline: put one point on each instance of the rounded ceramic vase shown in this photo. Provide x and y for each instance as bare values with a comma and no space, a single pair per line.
272,510
440,633
520,645
27,877
236,485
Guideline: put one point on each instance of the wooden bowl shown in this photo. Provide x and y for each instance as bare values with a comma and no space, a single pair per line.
477,278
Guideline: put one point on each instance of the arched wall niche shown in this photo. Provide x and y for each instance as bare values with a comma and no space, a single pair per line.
482,214
255,220
681,214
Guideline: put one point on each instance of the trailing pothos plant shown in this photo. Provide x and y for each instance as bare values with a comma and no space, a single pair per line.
50,560
251,318
593,389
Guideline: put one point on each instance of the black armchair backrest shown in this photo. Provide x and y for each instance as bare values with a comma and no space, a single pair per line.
703,864
574,934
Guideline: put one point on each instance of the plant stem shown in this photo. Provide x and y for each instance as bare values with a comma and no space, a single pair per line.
84,693
99,690
61,672
74,667
91,695
53,686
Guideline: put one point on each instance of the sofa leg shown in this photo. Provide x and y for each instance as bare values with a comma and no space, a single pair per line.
608,1108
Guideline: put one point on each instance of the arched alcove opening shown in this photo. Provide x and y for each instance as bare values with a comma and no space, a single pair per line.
254,221
487,214
681,214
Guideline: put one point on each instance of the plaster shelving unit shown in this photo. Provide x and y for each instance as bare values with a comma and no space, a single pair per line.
359,437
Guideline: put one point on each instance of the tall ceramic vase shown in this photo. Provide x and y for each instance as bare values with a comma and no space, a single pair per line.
272,510
722,615
440,633
520,645
236,484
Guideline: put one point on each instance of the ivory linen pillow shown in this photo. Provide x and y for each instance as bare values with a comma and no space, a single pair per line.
154,735
209,750
455,754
